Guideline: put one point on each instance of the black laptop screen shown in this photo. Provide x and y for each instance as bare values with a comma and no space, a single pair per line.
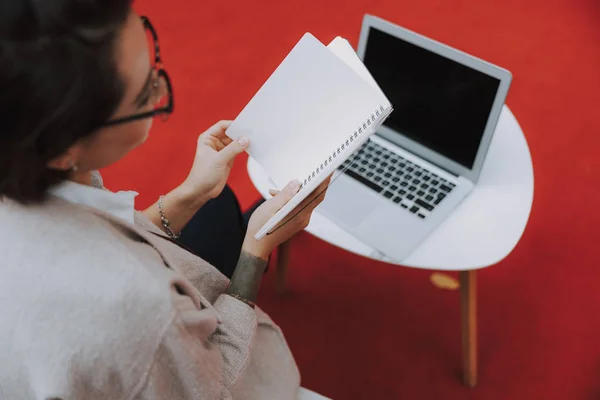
438,102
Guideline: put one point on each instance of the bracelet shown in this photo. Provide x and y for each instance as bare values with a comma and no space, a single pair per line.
164,220
242,299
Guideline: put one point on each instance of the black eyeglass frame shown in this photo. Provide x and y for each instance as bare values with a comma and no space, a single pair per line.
158,66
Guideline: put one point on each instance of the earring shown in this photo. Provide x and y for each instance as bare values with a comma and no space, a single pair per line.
73,166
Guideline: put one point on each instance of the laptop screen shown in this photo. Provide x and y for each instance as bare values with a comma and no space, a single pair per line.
438,102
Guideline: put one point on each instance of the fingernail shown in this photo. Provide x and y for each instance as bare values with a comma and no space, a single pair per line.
292,187
243,141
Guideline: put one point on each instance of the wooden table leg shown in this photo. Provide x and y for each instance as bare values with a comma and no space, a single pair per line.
468,310
281,268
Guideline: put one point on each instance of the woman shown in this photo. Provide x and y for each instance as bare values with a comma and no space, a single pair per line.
98,301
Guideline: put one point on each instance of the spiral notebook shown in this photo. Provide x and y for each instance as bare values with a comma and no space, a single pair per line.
315,110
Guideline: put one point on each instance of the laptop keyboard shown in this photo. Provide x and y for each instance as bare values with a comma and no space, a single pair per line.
403,182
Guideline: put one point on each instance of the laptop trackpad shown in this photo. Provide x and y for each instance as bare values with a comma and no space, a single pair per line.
345,205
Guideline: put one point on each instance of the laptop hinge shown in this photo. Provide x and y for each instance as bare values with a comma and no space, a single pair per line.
442,168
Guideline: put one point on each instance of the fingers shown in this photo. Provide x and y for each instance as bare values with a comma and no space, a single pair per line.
303,212
284,195
234,148
225,140
218,129
212,142
319,189
305,208
313,201
217,133
318,195
216,138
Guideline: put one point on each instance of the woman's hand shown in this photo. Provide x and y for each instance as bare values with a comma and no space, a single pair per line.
215,154
268,243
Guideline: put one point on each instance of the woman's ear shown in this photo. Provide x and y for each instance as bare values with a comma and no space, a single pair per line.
68,161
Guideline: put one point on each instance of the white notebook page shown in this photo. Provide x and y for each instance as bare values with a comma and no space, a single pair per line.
343,49
305,110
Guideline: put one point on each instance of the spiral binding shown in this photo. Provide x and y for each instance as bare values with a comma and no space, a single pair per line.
379,113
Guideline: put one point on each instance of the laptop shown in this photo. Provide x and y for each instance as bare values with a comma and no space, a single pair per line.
427,156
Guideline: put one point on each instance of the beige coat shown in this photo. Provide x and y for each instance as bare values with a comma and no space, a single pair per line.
94,308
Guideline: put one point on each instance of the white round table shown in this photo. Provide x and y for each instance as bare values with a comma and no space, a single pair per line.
480,232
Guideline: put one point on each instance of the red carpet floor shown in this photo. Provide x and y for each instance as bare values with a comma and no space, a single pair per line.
365,330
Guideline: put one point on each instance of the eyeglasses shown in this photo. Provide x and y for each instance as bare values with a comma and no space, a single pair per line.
161,77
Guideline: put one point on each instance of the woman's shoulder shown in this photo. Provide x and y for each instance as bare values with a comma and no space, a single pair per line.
49,219
64,253
64,250
76,295
65,239
59,228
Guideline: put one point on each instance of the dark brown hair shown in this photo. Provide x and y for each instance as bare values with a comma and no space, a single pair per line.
58,83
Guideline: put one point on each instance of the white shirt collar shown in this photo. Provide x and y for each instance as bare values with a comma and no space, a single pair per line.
120,204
